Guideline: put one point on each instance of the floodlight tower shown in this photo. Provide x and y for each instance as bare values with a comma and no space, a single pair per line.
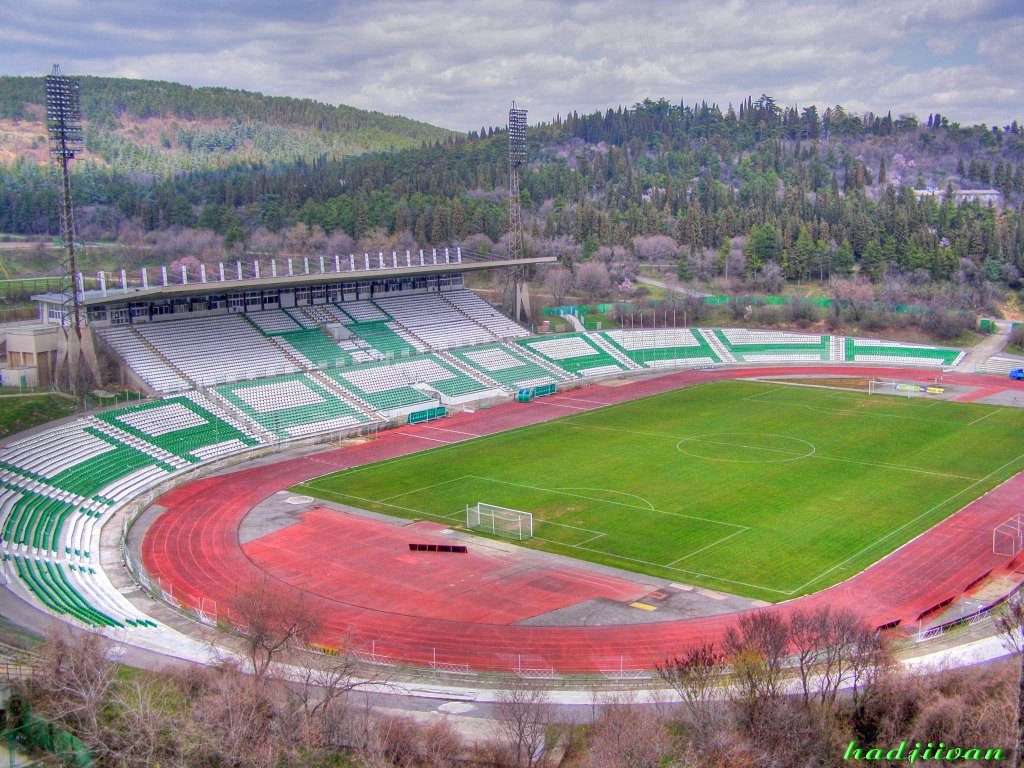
517,158
64,125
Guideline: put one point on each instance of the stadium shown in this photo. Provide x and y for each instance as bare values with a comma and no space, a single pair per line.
456,494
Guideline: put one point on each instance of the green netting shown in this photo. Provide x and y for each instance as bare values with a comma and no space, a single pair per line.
33,733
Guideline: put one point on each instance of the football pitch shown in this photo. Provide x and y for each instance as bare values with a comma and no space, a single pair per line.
760,489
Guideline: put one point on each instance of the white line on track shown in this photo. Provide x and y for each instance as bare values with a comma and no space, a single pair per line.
543,401
424,437
453,431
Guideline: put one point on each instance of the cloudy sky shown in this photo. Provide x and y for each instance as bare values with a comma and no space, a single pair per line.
458,63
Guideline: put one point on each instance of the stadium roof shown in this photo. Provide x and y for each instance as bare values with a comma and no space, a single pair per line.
255,275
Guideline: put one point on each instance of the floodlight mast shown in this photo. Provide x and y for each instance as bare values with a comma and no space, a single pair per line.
517,158
64,125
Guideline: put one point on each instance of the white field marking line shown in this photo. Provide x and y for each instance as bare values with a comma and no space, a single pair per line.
701,439
708,546
909,522
649,564
433,439
581,546
606,490
573,546
411,456
815,454
842,412
608,501
340,496
424,488
806,386
897,467
991,413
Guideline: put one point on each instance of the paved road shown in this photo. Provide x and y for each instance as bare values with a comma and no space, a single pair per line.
986,348
668,287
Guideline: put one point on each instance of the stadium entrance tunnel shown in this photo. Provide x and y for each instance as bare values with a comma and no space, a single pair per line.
746,447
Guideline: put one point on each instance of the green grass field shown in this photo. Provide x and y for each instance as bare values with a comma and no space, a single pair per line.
763,490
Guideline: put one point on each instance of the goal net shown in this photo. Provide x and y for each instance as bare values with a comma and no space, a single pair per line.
1008,537
499,521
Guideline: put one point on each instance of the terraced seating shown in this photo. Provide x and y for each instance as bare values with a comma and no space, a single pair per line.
272,321
363,312
290,406
76,457
141,359
435,372
435,321
754,346
77,596
386,339
318,348
869,351
505,365
183,426
48,583
1000,365
219,349
665,347
484,314
323,314
382,386
575,353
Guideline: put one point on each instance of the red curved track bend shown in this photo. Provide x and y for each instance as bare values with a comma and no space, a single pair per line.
193,549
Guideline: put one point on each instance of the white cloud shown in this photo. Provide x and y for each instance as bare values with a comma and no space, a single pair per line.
459,63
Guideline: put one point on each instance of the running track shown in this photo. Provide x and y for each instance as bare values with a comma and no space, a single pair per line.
193,549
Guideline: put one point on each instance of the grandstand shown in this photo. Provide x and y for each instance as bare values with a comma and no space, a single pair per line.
240,364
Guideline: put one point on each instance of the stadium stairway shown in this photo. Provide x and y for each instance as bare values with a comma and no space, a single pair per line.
712,340
616,352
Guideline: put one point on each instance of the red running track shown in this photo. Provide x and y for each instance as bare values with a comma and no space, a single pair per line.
193,550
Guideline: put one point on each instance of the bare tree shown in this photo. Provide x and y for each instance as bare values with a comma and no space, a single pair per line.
659,249
1011,625
628,735
757,646
147,727
274,620
834,650
75,681
523,714
593,279
695,677
237,722
559,282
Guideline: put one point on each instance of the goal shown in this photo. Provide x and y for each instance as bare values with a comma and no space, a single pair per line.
499,521
1008,537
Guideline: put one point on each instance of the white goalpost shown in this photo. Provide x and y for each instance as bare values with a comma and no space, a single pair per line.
1008,537
499,521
